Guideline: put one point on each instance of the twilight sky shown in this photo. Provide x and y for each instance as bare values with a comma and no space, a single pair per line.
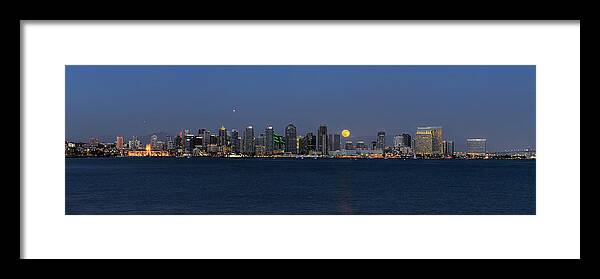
494,102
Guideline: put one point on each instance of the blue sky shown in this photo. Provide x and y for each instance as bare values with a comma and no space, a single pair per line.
494,102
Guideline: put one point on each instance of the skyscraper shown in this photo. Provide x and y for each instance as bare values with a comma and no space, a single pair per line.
380,140
308,143
448,148
322,139
402,141
249,140
222,138
235,141
153,140
336,142
269,140
290,139
476,146
429,141
119,143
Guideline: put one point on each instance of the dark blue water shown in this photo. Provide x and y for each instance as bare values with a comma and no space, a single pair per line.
294,186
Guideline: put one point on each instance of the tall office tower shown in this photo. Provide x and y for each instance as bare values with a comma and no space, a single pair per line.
476,146
235,141
278,143
374,145
269,140
214,140
119,143
336,142
402,140
448,148
169,142
380,140
348,145
330,142
153,140
407,140
189,143
429,141
322,139
205,139
222,138
249,140
260,140
290,139
308,143
398,142
361,145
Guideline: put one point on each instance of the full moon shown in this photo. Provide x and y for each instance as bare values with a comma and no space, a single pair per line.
345,133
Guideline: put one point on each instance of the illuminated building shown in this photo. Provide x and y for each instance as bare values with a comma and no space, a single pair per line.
148,152
429,141
380,145
322,139
476,146
336,142
361,144
235,141
349,145
153,140
269,140
93,142
290,139
222,140
249,140
119,143
448,148
308,144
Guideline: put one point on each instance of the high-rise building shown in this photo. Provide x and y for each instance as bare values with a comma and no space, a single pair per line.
290,139
308,144
153,140
235,141
269,140
119,143
222,138
322,139
330,142
249,140
373,145
402,141
169,143
336,142
476,146
429,141
380,140
448,148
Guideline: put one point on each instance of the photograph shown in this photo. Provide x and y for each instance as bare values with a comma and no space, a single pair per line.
300,140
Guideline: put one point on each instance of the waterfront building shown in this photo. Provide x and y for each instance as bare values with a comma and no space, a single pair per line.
448,148
249,140
402,140
308,144
373,145
348,145
380,144
290,139
93,142
330,142
361,144
269,140
336,142
476,146
235,141
429,141
222,138
119,143
322,139
169,143
148,152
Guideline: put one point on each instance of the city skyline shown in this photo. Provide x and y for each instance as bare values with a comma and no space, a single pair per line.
495,102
